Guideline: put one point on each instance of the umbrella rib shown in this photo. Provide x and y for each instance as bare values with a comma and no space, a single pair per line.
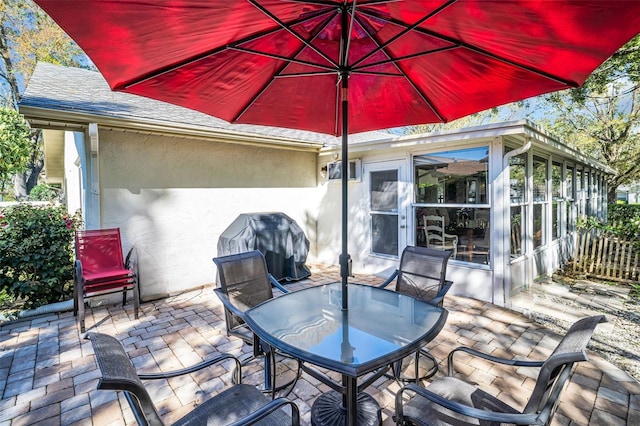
382,74
290,31
405,57
332,3
423,95
468,46
211,52
345,51
282,58
278,74
305,74
407,29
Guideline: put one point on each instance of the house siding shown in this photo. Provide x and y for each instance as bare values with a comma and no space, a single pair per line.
173,197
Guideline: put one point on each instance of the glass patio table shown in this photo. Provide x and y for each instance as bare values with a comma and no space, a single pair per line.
380,327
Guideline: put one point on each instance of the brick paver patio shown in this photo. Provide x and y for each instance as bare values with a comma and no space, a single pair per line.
48,373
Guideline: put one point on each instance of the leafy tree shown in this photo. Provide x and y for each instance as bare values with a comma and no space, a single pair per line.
28,35
602,117
494,115
14,144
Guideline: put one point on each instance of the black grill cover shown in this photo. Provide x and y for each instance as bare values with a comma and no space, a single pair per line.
276,235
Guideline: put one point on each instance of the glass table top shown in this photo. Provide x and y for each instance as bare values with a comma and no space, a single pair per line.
379,327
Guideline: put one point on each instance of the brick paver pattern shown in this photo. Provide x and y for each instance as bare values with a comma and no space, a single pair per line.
48,372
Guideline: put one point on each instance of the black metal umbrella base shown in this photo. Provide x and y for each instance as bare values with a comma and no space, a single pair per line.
328,410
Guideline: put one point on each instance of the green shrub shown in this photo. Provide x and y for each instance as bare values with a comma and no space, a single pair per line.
36,253
44,192
623,212
623,222
6,300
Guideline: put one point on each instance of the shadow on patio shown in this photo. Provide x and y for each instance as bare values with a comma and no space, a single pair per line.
48,372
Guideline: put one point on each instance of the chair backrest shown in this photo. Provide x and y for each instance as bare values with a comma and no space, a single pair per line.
244,278
557,368
434,230
118,373
99,250
422,272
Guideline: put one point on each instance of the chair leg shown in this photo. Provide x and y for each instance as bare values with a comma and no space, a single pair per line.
397,368
271,368
433,359
81,313
136,299
75,299
416,363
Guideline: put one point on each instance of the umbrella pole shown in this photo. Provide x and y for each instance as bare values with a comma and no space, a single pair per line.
345,259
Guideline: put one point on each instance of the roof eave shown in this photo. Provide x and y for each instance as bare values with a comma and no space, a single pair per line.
40,117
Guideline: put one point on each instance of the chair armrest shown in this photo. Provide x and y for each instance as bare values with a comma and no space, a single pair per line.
454,238
272,406
78,270
276,284
443,292
493,416
227,303
127,260
194,368
505,361
389,280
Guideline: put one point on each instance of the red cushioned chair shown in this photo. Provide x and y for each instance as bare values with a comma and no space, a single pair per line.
100,269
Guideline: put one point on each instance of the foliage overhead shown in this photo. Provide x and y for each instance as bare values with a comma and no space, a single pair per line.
602,117
28,35
15,145
494,115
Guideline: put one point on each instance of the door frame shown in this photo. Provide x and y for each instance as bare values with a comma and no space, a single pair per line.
404,203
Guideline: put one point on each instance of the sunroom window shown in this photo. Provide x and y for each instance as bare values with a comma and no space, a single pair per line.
452,206
539,201
517,185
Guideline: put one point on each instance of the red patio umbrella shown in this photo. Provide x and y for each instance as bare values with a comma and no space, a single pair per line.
346,66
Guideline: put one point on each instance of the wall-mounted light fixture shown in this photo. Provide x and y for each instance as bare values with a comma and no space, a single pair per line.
323,171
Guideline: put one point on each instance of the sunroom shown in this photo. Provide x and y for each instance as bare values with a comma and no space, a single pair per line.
504,198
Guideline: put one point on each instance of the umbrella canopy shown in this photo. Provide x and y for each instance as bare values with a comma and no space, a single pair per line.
279,63
345,66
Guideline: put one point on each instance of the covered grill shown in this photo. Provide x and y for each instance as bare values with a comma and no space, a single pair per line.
276,235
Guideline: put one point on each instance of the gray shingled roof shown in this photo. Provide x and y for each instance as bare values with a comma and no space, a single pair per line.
57,88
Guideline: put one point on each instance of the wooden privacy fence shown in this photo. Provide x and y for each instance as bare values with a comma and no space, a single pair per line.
607,257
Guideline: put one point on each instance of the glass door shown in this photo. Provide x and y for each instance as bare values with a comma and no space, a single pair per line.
387,221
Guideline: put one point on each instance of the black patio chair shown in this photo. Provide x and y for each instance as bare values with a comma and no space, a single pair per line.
239,405
244,281
452,401
421,274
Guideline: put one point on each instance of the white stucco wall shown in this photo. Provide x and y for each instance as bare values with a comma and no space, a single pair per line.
330,216
72,181
173,197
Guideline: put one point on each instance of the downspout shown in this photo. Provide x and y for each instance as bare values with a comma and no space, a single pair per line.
92,215
507,221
